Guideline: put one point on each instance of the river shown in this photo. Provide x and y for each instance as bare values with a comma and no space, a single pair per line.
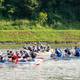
48,70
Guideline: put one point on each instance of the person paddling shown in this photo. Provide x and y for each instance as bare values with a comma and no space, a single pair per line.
1,58
15,58
67,52
58,52
77,52
9,55
33,55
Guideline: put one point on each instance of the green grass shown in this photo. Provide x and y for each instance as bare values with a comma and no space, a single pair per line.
45,35
56,38
30,31
20,25
24,24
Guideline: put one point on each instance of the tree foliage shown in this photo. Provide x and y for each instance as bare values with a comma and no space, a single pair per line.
20,8
56,10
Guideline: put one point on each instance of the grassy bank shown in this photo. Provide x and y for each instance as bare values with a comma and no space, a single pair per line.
58,38
45,35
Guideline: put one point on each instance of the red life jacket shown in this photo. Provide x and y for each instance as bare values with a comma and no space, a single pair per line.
15,59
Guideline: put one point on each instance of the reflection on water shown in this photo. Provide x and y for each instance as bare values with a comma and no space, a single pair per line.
49,70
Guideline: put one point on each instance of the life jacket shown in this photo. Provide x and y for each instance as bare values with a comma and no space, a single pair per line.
15,58
33,55
9,55
26,55
1,58
58,52
67,51
77,52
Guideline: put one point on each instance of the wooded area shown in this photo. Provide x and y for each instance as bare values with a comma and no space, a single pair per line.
41,18
50,10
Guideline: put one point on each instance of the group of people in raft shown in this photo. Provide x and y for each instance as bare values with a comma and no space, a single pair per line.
30,53
66,53
26,54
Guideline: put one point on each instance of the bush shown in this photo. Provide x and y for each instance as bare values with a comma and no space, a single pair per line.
42,18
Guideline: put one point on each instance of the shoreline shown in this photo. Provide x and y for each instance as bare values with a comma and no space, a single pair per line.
14,45
35,42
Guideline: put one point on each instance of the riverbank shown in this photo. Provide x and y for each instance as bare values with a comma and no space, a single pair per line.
57,38
53,45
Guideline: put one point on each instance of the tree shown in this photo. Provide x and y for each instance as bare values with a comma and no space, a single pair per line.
21,8
1,7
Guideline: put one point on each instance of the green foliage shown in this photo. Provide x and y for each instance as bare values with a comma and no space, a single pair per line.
55,13
46,35
42,18
20,8
19,25
24,24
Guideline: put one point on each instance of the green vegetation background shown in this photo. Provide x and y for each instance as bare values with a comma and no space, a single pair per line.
23,14
40,20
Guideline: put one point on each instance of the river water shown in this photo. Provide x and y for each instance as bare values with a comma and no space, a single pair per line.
48,70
